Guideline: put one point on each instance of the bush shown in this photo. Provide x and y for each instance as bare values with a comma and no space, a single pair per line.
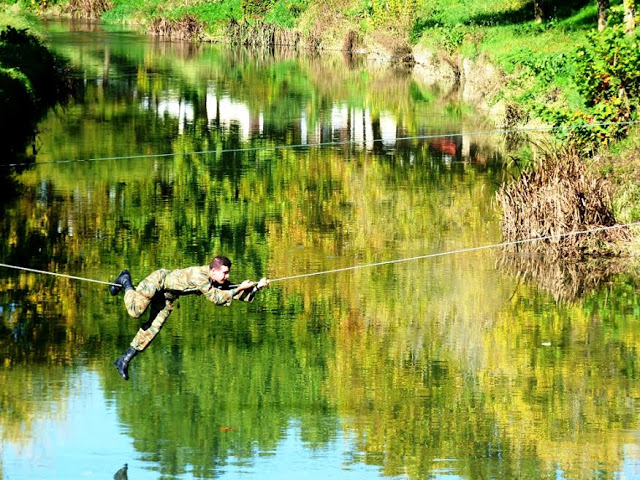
32,80
608,77
90,9
16,103
608,67
24,52
256,8
560,195
286,12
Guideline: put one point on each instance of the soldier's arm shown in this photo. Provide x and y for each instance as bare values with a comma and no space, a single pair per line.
217,296
225,297
249,294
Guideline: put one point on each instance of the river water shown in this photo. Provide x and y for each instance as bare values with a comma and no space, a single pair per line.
468,366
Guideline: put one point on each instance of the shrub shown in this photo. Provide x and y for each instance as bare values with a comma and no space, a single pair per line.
17,104
608,78
26,53
90,9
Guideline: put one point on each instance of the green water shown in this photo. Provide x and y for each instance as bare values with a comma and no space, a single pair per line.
468,366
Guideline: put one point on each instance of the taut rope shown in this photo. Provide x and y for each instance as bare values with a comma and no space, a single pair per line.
375,264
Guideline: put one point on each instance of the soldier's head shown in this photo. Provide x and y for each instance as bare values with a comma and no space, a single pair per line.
219,269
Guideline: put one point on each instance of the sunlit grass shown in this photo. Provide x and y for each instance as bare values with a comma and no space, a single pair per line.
15,16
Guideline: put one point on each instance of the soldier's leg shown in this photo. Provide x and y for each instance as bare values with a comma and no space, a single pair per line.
138,300
161,308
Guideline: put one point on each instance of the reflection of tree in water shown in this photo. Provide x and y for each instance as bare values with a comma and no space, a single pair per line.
8,189
566,279
184,50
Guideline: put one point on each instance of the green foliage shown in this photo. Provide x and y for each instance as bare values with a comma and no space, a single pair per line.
16,102
286,12
214,13
396,16
32,79
256,8
545,67
608,68
127,11
607,75
33,5
26,53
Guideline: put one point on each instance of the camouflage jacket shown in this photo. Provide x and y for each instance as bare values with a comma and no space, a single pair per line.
196,281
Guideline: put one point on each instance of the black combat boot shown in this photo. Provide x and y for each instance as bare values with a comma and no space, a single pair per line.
122,364
124,280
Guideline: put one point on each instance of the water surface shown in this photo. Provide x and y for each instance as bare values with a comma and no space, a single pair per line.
464,366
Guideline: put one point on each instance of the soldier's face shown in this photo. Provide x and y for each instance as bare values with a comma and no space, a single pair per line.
219,275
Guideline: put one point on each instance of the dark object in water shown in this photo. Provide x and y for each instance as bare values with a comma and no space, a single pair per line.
121,474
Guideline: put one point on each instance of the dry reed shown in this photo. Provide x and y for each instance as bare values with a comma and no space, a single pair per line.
185,28
262,35
88,9
559,196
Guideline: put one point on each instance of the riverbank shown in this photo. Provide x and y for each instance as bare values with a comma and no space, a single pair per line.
507,62
518,70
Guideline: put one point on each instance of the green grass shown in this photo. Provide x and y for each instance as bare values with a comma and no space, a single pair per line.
497,29
213,14
286,12
132,12
538,57
15,15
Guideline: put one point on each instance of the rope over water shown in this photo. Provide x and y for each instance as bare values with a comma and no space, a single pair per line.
376,264
73,277
462,250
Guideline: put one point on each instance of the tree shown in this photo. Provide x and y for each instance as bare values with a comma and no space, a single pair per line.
603,7
538,10
630,15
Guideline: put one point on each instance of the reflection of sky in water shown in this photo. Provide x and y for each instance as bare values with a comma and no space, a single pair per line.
88,441
85,442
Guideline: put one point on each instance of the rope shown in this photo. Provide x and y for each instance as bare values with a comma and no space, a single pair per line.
326,144
455,252
73,277
376,264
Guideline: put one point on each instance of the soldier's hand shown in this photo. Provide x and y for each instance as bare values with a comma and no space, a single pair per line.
264,282
246,284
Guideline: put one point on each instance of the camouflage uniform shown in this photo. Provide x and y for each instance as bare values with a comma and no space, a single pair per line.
162,287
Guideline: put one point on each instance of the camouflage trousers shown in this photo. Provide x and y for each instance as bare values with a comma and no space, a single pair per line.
149,294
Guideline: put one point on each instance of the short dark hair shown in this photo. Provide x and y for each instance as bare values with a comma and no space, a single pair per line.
219,261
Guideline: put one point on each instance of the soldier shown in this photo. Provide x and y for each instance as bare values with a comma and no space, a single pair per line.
162,287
